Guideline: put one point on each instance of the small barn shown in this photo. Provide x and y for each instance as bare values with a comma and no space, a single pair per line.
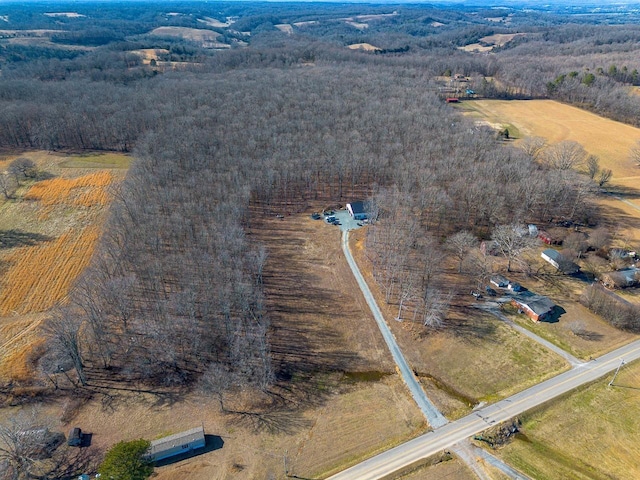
536,307
559,261
452,100
549,239
499,281
629,277
177,444
356,210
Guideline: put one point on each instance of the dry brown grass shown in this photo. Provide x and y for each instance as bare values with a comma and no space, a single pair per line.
52,229
196,34
86,191
363,46
39,277
475,358
593,433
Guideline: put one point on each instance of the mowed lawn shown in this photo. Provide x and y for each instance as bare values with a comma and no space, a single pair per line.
593,433
611,141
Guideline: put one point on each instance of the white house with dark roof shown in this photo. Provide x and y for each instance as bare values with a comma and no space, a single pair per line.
356,210
558,260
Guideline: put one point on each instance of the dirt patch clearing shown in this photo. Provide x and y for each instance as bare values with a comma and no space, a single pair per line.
64,14
363,46
196,34
285,27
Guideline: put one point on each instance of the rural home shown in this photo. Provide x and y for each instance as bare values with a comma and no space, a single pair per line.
452,100
356,210
499,281
559,261
629,277
536,307
177,444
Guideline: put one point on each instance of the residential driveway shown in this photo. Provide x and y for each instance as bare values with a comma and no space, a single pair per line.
346,222
494,309
432,414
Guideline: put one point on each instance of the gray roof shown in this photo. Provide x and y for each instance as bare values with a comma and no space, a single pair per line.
357,207
566,265
624,278
182,438
553,254
538,304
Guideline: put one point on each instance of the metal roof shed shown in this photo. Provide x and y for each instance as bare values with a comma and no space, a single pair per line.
177,444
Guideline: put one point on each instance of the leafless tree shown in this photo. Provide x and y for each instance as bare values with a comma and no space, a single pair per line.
599,238
533,146
459,244
511,240
604,176
22,168
577,242
592,166
63,332
434,307
7,185
565,155
25,442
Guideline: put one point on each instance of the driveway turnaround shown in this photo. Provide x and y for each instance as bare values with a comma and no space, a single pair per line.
445,437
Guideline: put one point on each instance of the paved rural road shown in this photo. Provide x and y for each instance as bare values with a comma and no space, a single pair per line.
448,435
433,416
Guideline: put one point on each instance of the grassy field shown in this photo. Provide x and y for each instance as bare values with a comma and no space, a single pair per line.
48,233
475,359
592,433
611,141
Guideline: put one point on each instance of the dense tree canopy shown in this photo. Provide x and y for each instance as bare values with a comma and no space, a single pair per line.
126,461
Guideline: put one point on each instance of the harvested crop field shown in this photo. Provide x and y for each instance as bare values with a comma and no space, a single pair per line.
48,233
611,141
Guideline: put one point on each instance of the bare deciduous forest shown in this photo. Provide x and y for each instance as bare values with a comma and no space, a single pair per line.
269,123
288,120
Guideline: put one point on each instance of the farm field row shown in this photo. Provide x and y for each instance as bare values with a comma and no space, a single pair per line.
48,231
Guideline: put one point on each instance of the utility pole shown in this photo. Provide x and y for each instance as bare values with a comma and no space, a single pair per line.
617,370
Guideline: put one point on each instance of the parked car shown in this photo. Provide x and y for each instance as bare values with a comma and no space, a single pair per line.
330,219
476,294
